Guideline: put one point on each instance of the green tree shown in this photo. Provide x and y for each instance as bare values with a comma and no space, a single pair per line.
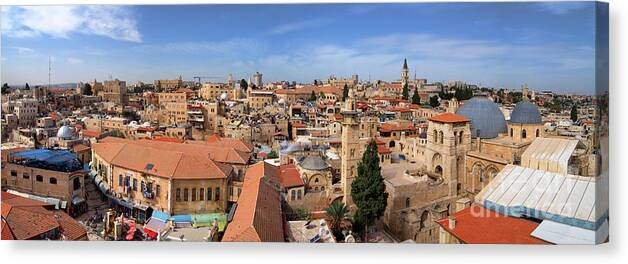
117,133
336,213
434,101
416,99
272,155
574,113
345,92
368,190
312,96
405,94
244,85
5,88
304,214
87,89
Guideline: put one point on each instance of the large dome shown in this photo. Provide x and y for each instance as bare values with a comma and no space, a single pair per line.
65,132
314,163
485,116
525,112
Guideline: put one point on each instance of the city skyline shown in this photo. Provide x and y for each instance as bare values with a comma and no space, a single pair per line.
550,46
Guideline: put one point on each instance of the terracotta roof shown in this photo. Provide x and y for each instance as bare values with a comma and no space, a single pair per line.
90,133
23,219
169,139
381,149
449,118
398,109
478,225
80,147
258,216
235,143
289,176
299,125
388,127
168,160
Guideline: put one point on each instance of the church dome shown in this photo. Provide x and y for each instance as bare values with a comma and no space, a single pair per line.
65,132
224,96
525,112
314,163
486,118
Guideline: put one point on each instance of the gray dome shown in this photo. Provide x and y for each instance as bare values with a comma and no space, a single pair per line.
314,163
485,116
65,132
525,112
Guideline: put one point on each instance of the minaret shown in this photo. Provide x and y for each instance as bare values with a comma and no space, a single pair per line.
405,73
524,92
350,148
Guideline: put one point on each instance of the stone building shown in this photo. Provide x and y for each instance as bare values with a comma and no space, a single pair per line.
115,91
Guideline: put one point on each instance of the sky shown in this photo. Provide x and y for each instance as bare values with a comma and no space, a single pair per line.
549,46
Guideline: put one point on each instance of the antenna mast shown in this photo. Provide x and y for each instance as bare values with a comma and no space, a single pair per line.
49,70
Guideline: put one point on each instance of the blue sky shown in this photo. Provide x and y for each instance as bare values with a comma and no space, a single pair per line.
550,46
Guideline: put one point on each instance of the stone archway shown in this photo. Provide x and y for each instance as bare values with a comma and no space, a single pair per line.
437,164
478,175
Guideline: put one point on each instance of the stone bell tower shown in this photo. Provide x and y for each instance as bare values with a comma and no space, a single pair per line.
350,155
405,73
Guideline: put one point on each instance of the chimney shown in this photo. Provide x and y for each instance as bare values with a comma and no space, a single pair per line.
452,222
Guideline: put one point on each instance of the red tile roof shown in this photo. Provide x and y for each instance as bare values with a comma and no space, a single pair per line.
449,118
80,147
90,133
23,219
258,216
289,176
299,125
169,160
398,109
388,127
381,149
478,225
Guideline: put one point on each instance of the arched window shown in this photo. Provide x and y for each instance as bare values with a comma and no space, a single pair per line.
523,133
53,180
407,202
440,135
538,133
39,178
76,183
455,138
460,137
512,134
435,136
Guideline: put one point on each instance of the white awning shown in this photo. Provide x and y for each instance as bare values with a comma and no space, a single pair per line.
563,234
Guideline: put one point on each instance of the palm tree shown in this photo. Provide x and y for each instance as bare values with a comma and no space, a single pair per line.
336,212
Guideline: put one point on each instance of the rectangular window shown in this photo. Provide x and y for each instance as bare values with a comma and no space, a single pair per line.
177,195
201,194
26,175
127,181
209,194
185,194
120,180
217,193
157,190
13,173
142,186
193,194
39,178
149,187
135,184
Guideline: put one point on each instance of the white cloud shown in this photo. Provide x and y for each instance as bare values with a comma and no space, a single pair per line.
61,21
72,60
22,51
299,25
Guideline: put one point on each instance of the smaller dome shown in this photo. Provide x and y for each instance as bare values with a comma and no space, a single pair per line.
314,163
282,101
525,112
65,132
224,96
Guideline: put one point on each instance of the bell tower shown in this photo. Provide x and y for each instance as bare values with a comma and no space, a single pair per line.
350,148
405,73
